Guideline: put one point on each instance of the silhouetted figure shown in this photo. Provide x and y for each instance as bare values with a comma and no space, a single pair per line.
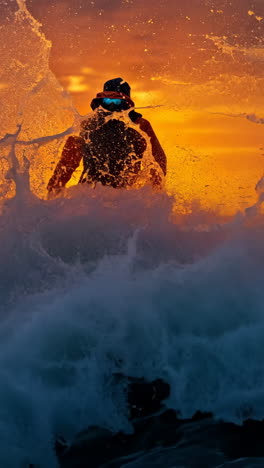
111,150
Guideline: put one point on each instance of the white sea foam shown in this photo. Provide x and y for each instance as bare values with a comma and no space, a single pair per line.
88,290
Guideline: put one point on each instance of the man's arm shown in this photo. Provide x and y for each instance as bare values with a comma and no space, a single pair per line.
157,150
70,159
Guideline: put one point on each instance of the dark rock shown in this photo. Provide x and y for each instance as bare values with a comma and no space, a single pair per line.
60,445
96,446
245,463
92,448
199,416
247,440
203,443
161,438
99,445
145,398
174,457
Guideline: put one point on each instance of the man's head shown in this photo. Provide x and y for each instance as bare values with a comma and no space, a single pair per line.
115,96
118,85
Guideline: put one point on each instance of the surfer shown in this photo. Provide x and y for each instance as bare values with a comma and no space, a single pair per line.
111,149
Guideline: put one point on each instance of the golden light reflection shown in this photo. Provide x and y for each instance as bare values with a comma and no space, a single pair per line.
87,71
252,13
76,84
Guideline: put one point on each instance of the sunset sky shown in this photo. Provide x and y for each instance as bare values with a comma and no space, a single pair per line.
201,61
161,47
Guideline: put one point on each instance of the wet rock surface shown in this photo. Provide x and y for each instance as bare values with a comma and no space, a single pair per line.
161,438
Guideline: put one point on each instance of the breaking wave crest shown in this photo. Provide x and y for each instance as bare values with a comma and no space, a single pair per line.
104,283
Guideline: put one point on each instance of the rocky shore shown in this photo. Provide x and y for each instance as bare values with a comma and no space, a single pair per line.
161,438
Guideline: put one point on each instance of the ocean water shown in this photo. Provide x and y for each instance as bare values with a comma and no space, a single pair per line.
92,286
102,281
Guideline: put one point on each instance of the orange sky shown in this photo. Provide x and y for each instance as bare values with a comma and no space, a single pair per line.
201,60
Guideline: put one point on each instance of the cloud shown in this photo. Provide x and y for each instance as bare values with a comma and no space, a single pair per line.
75,83
152,44
88,71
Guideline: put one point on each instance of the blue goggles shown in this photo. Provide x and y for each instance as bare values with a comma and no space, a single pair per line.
116,102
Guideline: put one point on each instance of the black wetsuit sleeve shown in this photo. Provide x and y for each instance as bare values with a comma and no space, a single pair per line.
157,150
71,156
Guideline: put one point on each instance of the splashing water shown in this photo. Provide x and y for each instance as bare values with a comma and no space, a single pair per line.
32,99
104,281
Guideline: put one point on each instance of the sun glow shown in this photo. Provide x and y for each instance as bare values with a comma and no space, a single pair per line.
202,90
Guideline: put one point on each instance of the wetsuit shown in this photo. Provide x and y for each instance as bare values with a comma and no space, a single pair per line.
111,150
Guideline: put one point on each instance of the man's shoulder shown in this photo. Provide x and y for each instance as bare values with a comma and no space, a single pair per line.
138,119
145,125
134,116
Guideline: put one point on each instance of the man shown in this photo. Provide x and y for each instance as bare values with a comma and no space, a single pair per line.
110,148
